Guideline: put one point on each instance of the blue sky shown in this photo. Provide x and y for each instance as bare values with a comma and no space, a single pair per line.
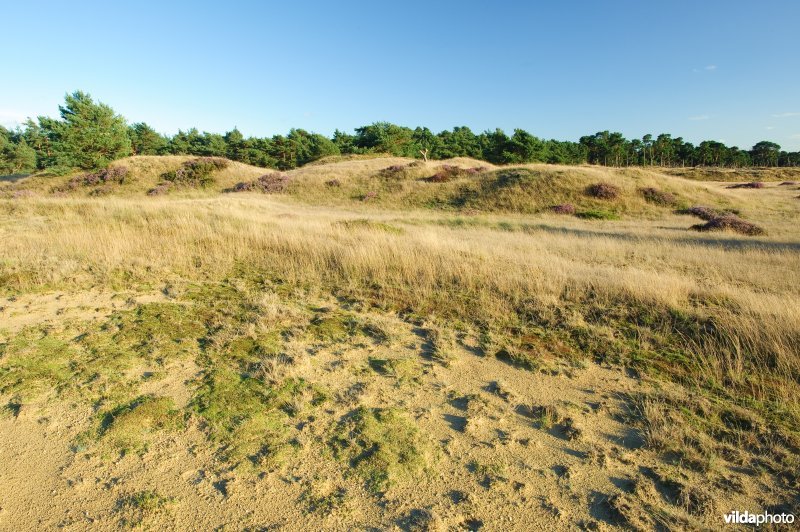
723,70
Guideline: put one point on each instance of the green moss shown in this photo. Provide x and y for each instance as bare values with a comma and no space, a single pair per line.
382,445
249,419
157,331
132,426
262,440
36,360
226,398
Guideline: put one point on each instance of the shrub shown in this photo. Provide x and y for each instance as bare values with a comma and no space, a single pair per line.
564,208
197,172
730,222
701,211
371,195
273,183
448,172
752,184
658,197
333,183
396,171
160,189
605,191
106,176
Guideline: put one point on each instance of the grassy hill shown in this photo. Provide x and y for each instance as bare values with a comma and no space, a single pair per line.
457,184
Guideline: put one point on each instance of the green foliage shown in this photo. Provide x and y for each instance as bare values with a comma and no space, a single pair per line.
88,136
16,156
146,141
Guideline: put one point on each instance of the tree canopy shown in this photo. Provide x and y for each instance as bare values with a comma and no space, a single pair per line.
90,134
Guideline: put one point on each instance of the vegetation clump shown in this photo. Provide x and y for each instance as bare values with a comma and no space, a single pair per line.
142,505
382,445
564,208
449,172
605,191
197,172
104,177
658,197
130,427
597,214
272,183
701,211
752,184
730,222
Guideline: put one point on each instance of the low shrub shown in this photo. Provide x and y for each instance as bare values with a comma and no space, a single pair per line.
605,191
371,195
272,183
197,172
396,171
160,189
701,211
752,184
658,197
449,172
333,183
106,176
730,222
564,208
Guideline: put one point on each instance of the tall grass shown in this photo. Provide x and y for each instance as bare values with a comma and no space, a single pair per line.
718,312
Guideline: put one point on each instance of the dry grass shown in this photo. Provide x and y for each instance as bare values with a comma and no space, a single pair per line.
298,312
730,308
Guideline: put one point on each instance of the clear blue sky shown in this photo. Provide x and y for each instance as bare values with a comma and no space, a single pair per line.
723,70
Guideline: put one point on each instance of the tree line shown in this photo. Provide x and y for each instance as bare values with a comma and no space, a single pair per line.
90,135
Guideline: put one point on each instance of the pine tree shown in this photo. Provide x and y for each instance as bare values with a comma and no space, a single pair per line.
89,135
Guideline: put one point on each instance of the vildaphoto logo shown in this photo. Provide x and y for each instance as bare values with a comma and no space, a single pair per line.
746,518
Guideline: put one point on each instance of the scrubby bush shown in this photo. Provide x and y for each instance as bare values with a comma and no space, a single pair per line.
658,197
564,208
753,184
449,172
605,191
701,211
730,222
272,183
396,171
160,189
197,172
335,183
106,176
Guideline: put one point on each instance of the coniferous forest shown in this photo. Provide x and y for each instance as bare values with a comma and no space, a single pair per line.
89,134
